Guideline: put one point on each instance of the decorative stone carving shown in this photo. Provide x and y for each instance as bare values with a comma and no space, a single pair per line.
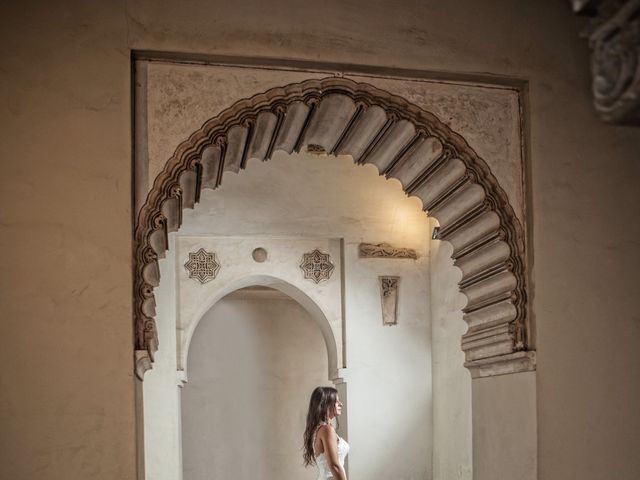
384,250
435,164
202,265
614,38
389,297
317,266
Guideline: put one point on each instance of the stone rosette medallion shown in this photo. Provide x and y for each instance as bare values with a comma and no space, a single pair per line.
202,265
317,266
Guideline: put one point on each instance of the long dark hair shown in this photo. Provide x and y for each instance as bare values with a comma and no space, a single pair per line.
322,403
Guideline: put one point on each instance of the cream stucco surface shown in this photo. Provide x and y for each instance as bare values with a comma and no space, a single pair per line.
510,398
452,412
67,388
253,363
161,388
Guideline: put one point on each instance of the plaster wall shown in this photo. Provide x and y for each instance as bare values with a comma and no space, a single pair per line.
253,362
510,398
161,388
452,409
65,176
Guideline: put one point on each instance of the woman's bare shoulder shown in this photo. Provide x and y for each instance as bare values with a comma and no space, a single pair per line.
326,431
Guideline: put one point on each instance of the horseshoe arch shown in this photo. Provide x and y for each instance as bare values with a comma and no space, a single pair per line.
338,116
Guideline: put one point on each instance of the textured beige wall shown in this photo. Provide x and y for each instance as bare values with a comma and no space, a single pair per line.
67,388
511,398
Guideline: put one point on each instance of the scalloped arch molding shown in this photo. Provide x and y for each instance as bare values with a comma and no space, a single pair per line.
341,117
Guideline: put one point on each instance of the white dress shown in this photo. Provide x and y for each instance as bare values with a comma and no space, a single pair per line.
324,471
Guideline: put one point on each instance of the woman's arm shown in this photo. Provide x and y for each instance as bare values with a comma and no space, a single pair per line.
329,439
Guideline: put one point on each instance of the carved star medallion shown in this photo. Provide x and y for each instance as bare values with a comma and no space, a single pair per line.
317,266
202,265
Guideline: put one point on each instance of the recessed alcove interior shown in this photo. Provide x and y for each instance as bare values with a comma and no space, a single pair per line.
405,382
254,358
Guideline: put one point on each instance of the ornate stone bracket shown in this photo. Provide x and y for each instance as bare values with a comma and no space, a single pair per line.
614,38
342,117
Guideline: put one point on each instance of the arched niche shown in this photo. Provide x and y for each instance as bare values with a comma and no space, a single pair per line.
338,116
312,308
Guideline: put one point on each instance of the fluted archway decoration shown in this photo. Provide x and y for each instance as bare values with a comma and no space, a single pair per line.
338,116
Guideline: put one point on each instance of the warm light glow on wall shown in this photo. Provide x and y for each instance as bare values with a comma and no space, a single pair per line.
407,221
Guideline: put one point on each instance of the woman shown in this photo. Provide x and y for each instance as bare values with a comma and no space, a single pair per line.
322,445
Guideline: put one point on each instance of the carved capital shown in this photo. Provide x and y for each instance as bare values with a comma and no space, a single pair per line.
143,363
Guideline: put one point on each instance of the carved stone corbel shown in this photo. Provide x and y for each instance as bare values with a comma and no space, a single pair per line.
614,38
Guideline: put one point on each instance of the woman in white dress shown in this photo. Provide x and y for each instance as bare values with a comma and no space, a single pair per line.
322,445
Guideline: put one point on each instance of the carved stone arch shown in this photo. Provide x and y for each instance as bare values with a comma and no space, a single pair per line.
341,117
